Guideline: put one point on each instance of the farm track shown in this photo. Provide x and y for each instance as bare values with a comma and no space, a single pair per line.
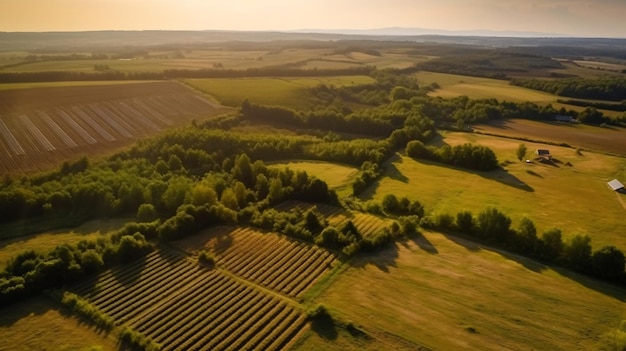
42,127
181,305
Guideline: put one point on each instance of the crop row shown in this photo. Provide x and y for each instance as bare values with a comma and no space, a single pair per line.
70,126
183,306
273,261
368,224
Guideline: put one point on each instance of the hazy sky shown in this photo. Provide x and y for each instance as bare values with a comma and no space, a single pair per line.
568,17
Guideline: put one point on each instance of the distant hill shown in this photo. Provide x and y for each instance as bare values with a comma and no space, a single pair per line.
94,40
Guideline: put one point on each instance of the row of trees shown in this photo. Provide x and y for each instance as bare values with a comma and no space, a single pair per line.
470,156
493,227
612,89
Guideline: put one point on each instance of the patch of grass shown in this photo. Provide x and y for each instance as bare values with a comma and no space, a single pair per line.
471,298
554,195
36,324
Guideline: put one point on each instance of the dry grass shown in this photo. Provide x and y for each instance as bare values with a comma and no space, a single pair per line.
37,324
450,294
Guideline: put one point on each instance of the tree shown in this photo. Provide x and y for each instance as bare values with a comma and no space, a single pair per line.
146,213
493,225
527,236
465,222
577,253
229,199
608,263
551,245
521,152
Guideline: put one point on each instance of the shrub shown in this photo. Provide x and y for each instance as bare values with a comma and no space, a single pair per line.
146,213
207,259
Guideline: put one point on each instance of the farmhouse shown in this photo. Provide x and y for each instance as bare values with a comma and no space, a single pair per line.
564,118
616,185
544,154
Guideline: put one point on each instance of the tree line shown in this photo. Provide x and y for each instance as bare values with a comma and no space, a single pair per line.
611,89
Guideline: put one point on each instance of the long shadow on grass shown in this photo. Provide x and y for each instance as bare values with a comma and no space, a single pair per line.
422,242
34,306
499,175
382,260
603,287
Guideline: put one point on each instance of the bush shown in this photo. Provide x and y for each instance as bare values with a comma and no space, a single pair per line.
146,213
207,259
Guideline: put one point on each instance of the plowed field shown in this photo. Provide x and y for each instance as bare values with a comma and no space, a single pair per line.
42,127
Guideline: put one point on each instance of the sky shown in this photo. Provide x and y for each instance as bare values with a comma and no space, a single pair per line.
586,18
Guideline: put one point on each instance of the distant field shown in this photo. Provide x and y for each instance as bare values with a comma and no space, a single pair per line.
14,86
156,61
41,127
601,65
452,85
611,140
38,324
558,195
481,88
450,294
338,177
290,92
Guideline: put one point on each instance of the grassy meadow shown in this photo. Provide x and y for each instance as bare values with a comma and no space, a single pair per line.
452,85
40,324
449,294
289,92
572,198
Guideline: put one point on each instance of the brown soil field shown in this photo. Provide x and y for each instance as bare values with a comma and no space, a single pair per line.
610,139
42,127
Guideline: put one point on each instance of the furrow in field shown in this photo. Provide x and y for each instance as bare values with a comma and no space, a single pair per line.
32,128
131,112
10,139
152,112
93,124
111,119
56,129
76,127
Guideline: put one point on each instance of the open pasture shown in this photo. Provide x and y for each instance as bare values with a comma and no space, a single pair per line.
41,127
452,85
446,293
270,260
289,92
612,140
183,306
39,324
574,198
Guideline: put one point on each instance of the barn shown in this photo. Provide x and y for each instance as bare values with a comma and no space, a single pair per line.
544,154
564,118
616,185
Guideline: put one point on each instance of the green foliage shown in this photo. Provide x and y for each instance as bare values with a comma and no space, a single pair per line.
465,222
207,259
137,341
521,152
493,226
470,156
146,213
608,263
87,311
577,253
613,89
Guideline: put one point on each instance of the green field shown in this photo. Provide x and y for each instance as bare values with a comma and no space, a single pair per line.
449,294
14,86
567,197
338,177
290,92
452,85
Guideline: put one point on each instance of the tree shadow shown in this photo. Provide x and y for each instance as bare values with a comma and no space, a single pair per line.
394,173
325,326
34,306
533,173
422,242
384,258
499,175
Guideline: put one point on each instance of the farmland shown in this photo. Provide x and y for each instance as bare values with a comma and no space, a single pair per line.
220,308
291,92
446,293
299,226
550,195
41,127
